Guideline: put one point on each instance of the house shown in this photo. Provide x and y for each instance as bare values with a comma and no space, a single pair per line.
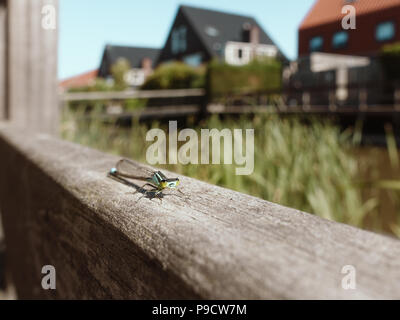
199,35
338,60
377,23
81,80
141,61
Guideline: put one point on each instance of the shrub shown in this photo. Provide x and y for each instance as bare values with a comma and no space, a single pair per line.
175,75
118,71
257,76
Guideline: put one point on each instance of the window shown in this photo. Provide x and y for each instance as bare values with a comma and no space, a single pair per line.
193,59
135,77
240,53
340,40
178,40
316,44
385,31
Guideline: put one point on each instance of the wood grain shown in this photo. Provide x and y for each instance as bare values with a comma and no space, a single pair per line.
3,61
32,66
60,208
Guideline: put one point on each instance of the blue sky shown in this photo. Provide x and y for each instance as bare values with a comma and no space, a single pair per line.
85,26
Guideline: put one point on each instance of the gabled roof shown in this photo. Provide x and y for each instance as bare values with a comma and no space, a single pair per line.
215,28
326,11
135,55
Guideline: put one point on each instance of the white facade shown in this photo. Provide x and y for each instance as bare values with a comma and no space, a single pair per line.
340,63
135,77
328,61
241,53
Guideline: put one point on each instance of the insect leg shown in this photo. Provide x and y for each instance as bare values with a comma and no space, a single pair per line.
146,184
146,192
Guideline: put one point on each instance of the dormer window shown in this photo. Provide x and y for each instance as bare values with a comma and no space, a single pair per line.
178,40
211,31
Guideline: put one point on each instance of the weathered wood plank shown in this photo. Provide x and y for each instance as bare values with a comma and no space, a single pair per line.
3,60
32,66
171,112
59,208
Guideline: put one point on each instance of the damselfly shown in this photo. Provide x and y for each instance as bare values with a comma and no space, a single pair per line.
155,179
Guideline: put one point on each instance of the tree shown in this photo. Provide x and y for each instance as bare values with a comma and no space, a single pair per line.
118,72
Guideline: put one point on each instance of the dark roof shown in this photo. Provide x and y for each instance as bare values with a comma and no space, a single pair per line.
226,27
135,55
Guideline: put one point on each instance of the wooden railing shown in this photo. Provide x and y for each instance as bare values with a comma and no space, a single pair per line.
60,208
307,100
131,94
167,110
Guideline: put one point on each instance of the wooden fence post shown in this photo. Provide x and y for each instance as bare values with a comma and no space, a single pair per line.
332,100
3,61
32,64
306,99
397,98
363,99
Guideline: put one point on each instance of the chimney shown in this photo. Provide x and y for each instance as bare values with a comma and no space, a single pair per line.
250,33
254,35
246,32
147,66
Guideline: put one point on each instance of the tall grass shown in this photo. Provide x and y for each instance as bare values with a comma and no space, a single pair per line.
311,167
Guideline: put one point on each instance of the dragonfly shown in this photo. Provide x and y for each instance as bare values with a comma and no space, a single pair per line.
156,179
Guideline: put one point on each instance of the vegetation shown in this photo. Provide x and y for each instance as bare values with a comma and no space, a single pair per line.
118,83
257,76
219,78
312,167
118,72
175,75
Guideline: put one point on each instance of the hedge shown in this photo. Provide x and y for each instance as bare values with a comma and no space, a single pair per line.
175,75
257,76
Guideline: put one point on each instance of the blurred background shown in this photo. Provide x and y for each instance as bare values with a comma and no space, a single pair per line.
322,94
323,100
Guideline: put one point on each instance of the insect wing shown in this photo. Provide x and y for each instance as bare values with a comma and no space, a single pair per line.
127,167
161,176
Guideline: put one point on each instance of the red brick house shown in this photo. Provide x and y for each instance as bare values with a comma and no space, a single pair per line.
377,23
